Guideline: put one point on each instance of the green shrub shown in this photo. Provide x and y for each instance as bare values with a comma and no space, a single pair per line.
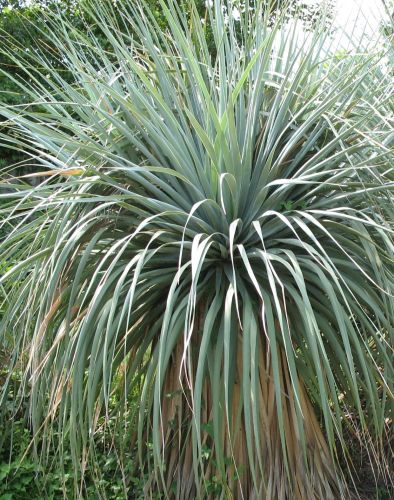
24,476
214,232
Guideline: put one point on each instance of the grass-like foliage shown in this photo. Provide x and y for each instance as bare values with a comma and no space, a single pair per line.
213,228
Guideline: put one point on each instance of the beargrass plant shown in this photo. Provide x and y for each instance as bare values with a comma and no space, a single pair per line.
214,230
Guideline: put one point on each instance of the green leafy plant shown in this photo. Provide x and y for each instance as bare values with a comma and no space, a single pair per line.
24,476
214,231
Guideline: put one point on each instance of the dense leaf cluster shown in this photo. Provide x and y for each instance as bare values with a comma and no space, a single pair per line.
213,230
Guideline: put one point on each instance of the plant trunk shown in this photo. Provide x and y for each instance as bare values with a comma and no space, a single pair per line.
257,473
